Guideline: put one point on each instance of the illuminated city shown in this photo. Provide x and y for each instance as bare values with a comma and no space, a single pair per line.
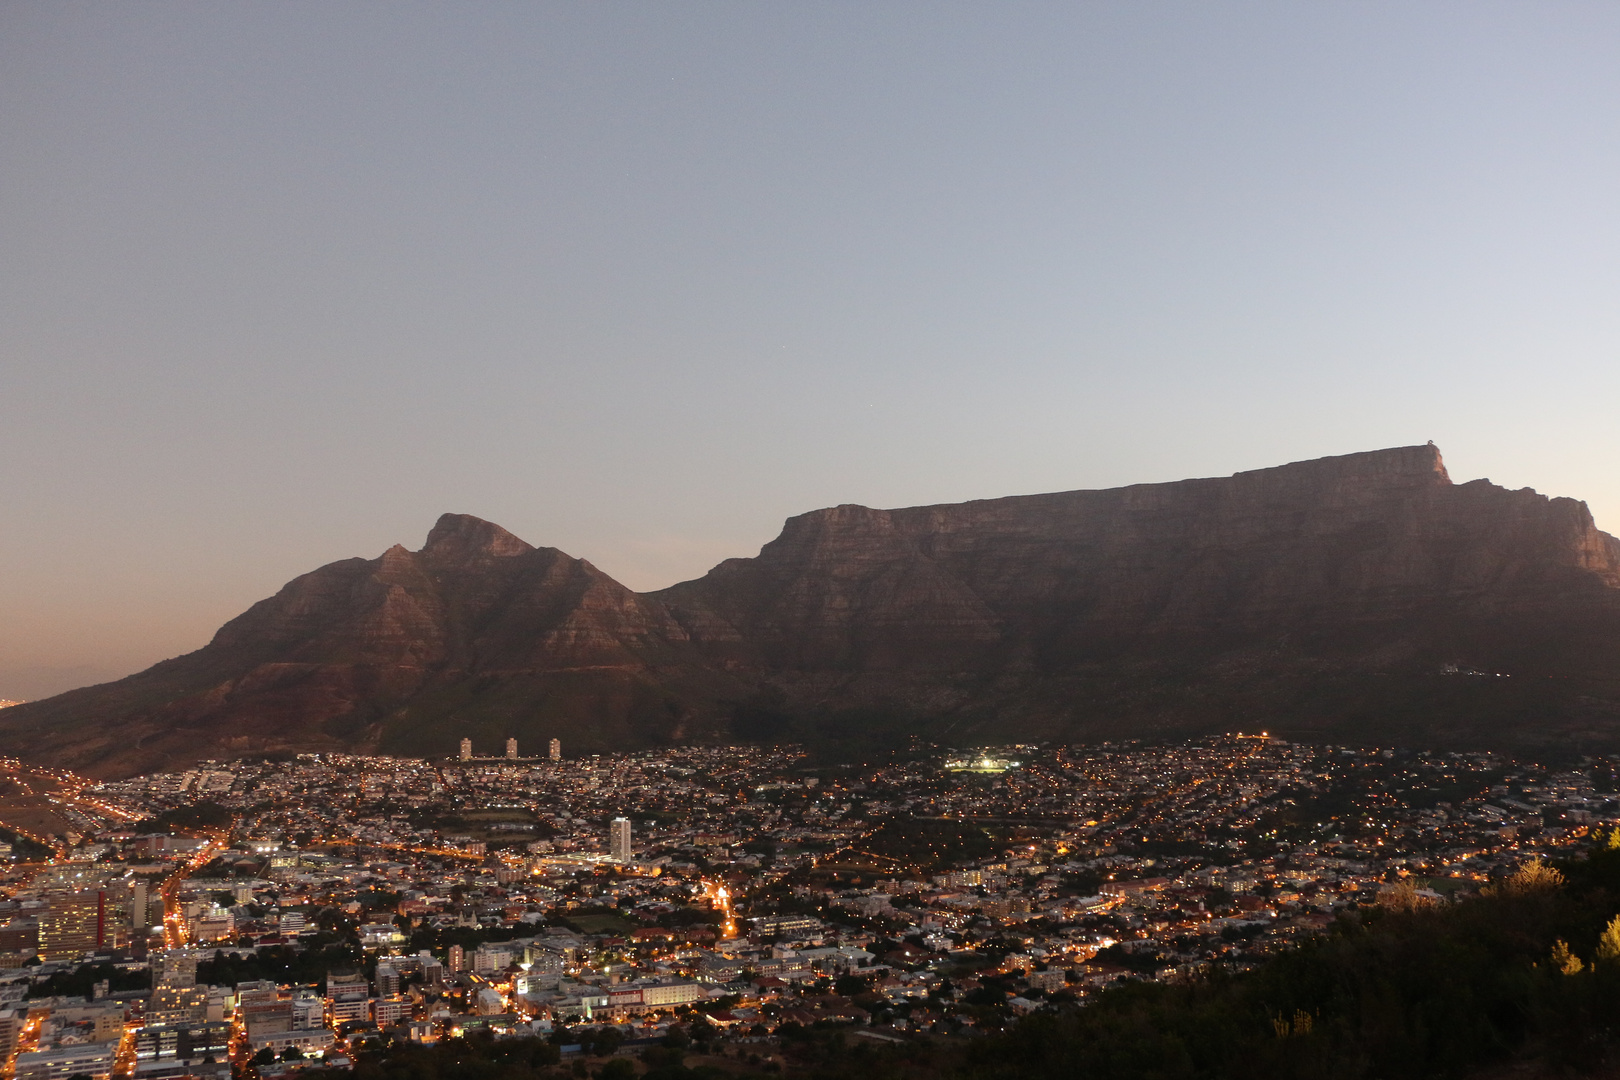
275,915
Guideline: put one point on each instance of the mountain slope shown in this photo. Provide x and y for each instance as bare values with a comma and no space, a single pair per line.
476,634
1363,598
1323,596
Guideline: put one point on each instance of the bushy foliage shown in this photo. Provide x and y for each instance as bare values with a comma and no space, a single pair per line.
200,815
24,848
286,964
81,981
474,1058
1532,968
1529,971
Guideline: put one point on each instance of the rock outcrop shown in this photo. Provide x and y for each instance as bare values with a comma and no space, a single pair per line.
1363,598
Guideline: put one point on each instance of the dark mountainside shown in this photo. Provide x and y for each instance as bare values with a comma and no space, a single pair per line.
1361,599
476,634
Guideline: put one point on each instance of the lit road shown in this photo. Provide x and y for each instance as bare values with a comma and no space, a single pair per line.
175,934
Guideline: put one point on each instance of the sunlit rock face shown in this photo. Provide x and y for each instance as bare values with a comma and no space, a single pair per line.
1363,598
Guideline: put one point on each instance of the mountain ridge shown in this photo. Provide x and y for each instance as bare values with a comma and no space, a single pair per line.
1323,598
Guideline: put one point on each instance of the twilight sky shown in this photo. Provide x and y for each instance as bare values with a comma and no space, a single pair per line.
281,282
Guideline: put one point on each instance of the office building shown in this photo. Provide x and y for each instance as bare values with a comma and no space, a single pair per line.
177,1004
389,1011
556,749
619,839
73,924
511,748
94,1060
175,968
466,749
193,1041
348,997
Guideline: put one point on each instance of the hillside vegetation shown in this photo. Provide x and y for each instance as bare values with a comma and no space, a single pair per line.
1525,974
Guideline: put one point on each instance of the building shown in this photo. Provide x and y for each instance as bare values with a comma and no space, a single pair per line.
308,1011
1049,980
466,749
263,1013
389,1011
490,959
619,839
787,925
73,924
671,993
17,937
309,1040
216,925
556,750
171,1005
456,959
381,935
511,748
140,905
94,1060
647,996
348,997
161,1042
11,1025
176,968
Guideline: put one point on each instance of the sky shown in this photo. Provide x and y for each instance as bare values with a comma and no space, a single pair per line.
282,282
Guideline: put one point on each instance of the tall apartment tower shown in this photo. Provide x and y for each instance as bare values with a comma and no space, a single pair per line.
619,839
140,906
556,749
466,749
511,748
72,925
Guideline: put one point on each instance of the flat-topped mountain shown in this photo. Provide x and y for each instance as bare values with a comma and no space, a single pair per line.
1363,598
1040,582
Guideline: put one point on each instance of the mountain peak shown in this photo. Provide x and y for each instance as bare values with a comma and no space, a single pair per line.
460,537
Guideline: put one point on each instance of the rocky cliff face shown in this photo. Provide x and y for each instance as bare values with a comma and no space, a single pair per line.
1362,598
1036,581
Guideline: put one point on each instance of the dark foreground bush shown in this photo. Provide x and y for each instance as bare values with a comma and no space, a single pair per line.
1420,991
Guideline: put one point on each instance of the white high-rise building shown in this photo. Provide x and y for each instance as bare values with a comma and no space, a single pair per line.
511,748
466,749
139,907
556,749
619,839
